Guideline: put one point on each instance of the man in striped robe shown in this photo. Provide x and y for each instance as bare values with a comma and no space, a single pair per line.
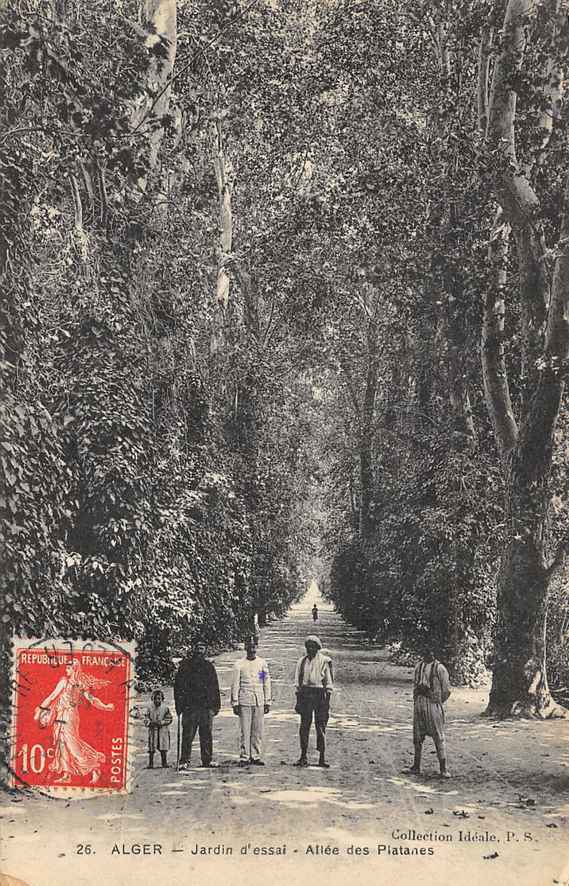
431,689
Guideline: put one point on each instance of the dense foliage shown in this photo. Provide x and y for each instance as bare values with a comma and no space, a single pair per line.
258,306
479,504
144,493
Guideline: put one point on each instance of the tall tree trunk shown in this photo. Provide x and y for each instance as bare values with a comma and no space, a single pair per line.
247,436
224,244
13,268
459,397
367,432
519,683
520,680
160,20
520,676
494,370
14,289
464,652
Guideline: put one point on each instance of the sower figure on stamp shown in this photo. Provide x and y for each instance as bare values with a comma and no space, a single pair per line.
197,699
251,700
157,719
72,756
314,686
431,689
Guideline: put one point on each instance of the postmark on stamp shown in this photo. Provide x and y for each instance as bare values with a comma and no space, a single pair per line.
70,715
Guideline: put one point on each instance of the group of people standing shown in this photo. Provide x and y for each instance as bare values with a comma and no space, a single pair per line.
198,700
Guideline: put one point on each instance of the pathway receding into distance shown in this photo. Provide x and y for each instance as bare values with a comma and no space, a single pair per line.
509,782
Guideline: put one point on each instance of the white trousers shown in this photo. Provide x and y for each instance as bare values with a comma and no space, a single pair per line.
251,720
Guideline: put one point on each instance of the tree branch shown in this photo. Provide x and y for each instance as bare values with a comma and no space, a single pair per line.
351,389
484,49
514,190
77,205
225,213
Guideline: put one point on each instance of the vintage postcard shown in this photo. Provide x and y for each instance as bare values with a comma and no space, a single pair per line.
284,483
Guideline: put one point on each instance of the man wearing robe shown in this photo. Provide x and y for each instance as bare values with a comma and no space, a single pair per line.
431,689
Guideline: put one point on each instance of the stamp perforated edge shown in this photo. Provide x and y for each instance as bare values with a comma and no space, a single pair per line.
64,792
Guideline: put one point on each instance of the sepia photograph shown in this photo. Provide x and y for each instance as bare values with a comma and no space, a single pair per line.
284,442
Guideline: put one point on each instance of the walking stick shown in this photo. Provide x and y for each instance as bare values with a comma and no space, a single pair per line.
178,745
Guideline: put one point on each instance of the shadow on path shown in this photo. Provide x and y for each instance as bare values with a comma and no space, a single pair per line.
509,778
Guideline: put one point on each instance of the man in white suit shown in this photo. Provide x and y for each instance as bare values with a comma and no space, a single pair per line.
251,700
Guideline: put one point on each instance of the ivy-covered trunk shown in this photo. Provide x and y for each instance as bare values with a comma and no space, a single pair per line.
5,693
16,175
520,685
520,679
464,652
367,433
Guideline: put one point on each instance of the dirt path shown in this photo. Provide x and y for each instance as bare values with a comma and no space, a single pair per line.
502,819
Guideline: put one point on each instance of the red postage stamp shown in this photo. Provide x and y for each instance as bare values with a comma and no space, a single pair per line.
70,715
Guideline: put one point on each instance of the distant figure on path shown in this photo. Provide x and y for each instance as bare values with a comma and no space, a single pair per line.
251,700
197,698
315,613
314,685
430,691
157,719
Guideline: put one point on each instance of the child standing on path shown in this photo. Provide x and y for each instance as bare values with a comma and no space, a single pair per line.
157,719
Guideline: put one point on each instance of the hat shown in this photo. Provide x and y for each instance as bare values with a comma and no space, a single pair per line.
198,641
312,638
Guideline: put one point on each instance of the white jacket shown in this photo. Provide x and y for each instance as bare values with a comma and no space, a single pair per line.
251,683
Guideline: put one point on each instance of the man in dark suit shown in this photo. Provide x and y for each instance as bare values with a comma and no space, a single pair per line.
197,699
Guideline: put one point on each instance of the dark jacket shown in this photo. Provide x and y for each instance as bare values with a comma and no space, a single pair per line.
196,686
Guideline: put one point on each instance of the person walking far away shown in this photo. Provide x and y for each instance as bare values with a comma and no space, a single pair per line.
315,613
197,698
431,689
251,700
157,719
314,686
